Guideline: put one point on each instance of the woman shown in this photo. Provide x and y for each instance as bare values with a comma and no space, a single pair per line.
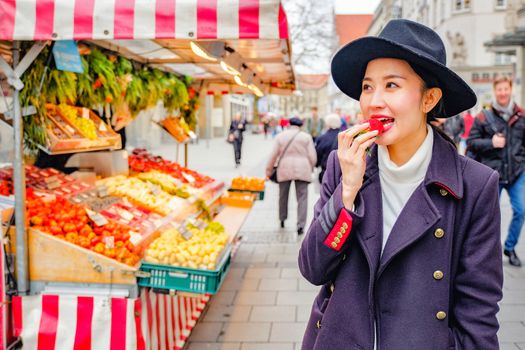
327,142
237,127
405,240
294,151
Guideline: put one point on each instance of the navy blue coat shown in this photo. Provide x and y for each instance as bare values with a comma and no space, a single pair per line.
439,279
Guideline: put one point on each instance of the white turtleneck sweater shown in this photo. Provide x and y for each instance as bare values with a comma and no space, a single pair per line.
399,182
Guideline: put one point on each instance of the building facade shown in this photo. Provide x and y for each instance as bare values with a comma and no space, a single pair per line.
465,26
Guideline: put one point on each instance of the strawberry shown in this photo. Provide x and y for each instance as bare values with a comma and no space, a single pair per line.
374,125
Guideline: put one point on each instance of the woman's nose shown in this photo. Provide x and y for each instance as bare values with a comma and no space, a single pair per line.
377,100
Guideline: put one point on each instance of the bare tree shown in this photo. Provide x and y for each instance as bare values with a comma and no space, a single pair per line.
313,35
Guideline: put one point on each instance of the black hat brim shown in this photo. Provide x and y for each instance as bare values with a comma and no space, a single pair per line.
349,65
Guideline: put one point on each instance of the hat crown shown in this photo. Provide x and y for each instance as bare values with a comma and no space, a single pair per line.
419,38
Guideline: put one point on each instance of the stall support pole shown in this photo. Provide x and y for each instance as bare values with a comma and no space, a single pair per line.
186,155
19,180
209,108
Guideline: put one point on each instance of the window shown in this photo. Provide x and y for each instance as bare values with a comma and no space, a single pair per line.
475,76
501,59
501,4
461,5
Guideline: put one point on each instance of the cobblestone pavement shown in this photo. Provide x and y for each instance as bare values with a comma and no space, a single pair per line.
264,302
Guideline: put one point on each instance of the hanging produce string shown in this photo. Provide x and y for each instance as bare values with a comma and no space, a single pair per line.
46,68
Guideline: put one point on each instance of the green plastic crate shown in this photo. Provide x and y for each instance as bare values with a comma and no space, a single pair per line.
185,279
259,195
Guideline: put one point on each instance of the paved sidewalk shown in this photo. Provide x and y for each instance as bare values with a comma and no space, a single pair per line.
264,302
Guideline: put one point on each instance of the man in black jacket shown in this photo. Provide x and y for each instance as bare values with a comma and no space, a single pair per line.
497,140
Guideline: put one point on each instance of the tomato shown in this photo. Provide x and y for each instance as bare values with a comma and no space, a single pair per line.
96,241
36,220
55,230
99,248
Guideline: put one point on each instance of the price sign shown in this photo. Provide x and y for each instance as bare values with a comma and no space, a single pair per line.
135,238
155,189
109,242
126,215
98,219
185,232
52,182
102,191
70,129
85,113
188,177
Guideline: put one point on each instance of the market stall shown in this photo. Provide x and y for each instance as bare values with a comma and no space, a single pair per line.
90,246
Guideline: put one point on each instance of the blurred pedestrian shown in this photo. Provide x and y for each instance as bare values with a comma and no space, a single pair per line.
295,152
468,120
344,122
266,125
327,142
405,238
496,139
235,136
314,124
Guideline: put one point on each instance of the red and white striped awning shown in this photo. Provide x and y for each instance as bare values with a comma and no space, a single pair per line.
141,19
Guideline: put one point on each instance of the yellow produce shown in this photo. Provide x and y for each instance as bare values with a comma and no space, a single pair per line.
200,251
85,125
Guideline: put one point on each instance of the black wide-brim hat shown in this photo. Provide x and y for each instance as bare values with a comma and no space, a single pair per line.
413,42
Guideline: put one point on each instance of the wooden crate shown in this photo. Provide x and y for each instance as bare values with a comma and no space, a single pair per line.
54,260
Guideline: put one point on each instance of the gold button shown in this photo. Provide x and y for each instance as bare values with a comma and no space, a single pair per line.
334,245
339,235
337,240
441,315
318,324
342,230
443,192
345,225
438,275
439,233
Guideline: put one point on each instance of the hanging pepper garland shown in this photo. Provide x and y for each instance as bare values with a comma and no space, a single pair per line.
105,80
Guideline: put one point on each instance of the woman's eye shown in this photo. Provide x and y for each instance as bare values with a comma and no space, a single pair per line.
391,85
366,87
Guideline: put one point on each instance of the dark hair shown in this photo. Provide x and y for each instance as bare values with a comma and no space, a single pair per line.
429,82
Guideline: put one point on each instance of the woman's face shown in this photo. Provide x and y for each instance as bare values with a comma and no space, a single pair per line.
393,92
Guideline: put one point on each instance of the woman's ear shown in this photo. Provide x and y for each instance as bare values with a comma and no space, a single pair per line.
430,98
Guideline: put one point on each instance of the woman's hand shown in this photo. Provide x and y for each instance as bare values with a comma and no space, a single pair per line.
352,152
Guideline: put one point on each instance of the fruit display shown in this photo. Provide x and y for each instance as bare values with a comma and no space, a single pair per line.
142,161
48,180
6,188
146,195
70,128
248,183
72,223
166,182
142,220
174,127
85,125
202,250
93,200
238,199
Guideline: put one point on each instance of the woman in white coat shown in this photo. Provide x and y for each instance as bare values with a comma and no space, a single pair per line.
295,164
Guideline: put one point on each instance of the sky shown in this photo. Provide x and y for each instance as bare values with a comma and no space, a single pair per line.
355,6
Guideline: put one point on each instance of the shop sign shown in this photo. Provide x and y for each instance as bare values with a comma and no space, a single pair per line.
67,57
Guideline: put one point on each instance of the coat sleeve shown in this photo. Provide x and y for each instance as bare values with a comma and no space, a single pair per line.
324,245
312,155
478,141
273,157
479,276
